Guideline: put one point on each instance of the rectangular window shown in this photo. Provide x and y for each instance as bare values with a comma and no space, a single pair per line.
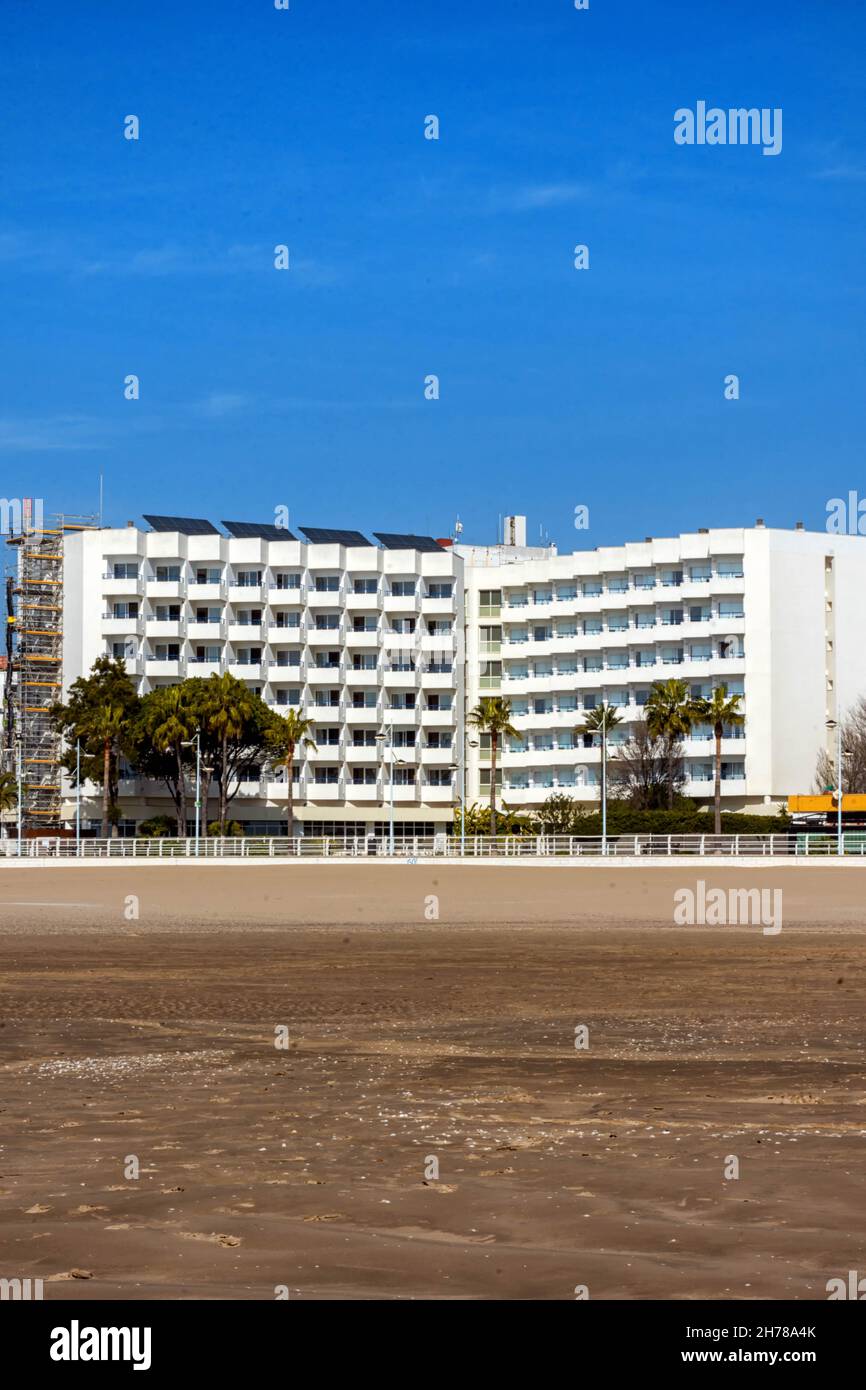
167,574
403,588
125,570
366,586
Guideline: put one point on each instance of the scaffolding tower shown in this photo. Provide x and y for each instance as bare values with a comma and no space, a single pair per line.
34,667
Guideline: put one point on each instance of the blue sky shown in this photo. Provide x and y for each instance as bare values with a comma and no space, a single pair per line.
305,388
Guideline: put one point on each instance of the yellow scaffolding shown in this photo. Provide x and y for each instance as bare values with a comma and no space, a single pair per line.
35,659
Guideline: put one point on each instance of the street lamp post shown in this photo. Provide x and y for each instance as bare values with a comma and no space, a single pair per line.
78,797
20,790
460,766
188,743
837,725
388,732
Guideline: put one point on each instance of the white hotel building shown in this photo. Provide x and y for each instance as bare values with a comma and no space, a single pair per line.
404,636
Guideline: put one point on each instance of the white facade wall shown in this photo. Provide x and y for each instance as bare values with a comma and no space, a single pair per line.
362,640
746,608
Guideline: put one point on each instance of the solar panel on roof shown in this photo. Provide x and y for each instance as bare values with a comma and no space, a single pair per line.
325,535
186,525
243,530
396,541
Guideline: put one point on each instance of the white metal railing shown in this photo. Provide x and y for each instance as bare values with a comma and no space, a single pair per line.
794,845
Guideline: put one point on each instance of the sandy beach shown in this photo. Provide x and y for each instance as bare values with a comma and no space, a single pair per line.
156,1143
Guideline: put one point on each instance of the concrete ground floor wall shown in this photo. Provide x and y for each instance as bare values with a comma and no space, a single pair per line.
262,817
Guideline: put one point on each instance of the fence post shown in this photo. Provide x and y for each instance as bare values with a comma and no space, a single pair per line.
669,846
736,845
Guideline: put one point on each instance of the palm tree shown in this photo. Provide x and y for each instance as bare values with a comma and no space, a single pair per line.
105,730
600,721
670,714
174,725
289,732
719,711
8,791
492,715
229,708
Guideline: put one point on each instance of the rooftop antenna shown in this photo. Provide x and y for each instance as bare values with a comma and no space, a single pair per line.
458,528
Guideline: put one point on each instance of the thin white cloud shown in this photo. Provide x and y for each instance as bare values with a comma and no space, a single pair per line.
843,173
63,433
536,196
218,404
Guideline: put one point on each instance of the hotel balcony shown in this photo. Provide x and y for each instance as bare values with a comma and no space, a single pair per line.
361,641
121,627
438,718
402,717
286,598
153,627
324,792
284,671
323,675
362,603
324,598
438,607
360,678
165,588
401,603
205,632
246,593
284,636
367,793
327,753
436,757
324,637
245,632
204,668
364,755
247,670
173,670
437,796
401,680
371,714
121,588
204,593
